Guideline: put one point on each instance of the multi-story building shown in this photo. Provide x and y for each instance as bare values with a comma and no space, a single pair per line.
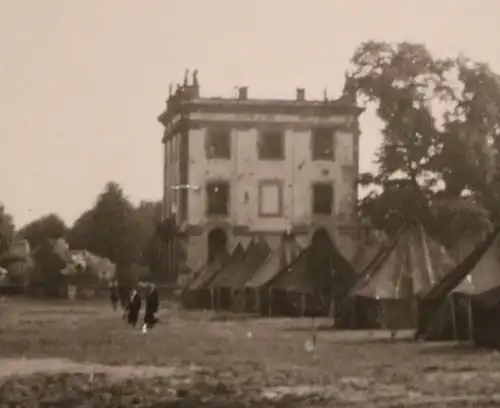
237,167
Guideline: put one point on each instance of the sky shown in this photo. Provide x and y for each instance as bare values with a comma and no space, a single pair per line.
82,82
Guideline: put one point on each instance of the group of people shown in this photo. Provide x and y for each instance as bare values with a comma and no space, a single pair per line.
132,305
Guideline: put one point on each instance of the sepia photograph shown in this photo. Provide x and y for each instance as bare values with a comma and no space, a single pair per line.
235,204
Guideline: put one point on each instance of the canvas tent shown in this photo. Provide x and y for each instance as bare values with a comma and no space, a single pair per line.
369,250
461,306
254,297
230,281
317,277
407,269
198,294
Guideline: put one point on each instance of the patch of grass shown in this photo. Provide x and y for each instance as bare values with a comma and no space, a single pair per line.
228,360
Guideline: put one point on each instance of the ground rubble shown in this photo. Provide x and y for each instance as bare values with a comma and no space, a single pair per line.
85,386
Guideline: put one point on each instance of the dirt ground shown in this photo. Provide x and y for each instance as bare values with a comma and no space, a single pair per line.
83,355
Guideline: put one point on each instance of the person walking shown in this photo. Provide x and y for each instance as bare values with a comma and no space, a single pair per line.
151,312
133,308
113,294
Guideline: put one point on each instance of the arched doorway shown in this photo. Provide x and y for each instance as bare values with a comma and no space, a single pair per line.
217,244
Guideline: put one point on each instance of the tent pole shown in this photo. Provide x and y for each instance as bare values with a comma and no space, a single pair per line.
302,304
453,317
257,300
270,308
354,320
471,323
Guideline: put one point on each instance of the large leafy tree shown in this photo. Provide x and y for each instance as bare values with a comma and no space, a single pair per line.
469,160
437,141
111,228
128,228
152,253
43,229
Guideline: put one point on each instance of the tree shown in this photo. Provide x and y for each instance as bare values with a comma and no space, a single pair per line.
473,163
425,150
152,253
80,235
7,229
42,229
109,230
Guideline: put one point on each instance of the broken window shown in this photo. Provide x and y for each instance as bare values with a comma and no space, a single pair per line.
218,198
271,146
270,198
322,199
218,144
323,144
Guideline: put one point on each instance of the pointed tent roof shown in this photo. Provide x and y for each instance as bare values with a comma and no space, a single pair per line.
229,267
236,277
365,256
301,276
283,256
477,274
294,277
370,249
412,265
212,269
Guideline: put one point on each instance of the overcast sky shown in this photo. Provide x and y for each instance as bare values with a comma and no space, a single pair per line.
82,81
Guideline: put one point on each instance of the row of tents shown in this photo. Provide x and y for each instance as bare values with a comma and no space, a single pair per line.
409,282
257,279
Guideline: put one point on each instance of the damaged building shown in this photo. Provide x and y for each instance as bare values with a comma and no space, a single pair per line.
239,169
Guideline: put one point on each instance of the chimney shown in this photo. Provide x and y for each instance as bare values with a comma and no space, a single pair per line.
301,94
243,93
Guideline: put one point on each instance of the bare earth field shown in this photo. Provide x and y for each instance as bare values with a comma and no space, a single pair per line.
83,355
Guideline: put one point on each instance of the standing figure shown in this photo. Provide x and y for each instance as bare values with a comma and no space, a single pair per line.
113,294
151,313
133,308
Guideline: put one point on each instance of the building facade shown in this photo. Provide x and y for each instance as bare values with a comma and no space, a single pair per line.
236,168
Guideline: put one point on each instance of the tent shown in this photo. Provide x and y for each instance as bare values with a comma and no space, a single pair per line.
407,269
317,278
461,306
198,294
230,282
369,250
254,297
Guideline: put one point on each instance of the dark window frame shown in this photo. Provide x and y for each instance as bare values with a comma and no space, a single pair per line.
316,209
209,210
265,134
271,182
210,135
328,133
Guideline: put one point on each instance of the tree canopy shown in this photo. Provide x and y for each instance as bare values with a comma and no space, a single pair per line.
7,228
438,158
47,227
117,230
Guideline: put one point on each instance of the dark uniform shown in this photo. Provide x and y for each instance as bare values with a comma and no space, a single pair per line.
133,308
113,295
152,305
